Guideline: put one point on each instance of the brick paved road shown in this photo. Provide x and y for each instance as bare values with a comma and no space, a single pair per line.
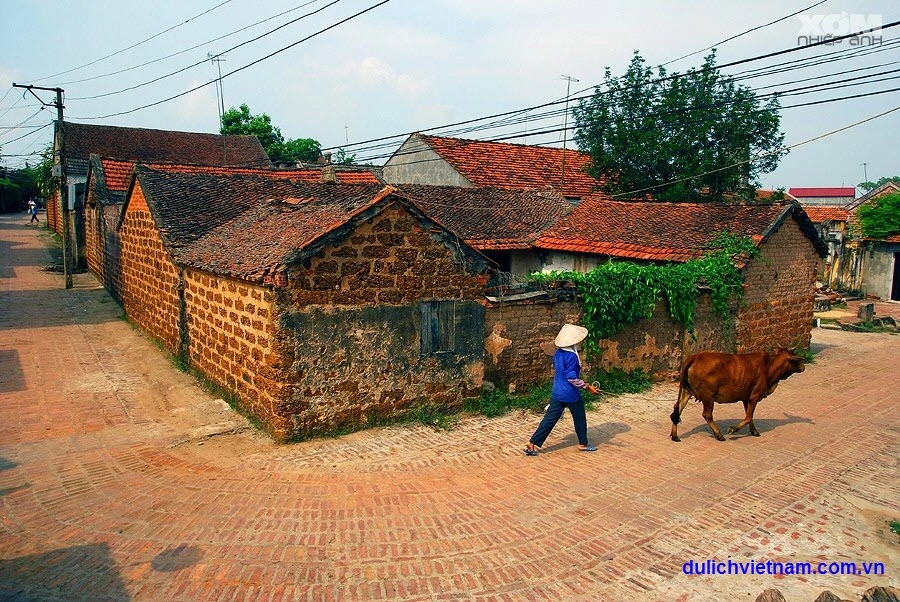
110,487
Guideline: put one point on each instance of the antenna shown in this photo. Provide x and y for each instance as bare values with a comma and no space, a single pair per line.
220,91
569,79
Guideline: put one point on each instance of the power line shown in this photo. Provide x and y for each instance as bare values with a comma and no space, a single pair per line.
168,56
103,58
192,65
248,65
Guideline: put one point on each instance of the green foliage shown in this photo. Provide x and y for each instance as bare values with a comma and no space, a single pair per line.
498,403
618,293
648,131
240,121
868,186
617,381
341,157
880,217
895,526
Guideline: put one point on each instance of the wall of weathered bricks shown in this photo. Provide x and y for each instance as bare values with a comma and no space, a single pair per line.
355,319
777,310
93,234
150,280
112,250
234,339
54,219
519,341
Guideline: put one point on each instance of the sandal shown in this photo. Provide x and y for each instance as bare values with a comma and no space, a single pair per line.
588,448
530,451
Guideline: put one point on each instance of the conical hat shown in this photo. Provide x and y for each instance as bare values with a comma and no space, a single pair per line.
570,335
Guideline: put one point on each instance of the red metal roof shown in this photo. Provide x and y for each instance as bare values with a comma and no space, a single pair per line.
516,166
822,192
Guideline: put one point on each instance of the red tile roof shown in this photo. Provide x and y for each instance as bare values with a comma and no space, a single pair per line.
146,145
503,165
490,219
646,230
249,225
822,213
801,193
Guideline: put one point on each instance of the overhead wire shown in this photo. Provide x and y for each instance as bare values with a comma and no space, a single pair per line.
239,69
201,62
135,45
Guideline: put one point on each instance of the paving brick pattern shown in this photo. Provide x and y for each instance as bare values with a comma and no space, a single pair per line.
110,487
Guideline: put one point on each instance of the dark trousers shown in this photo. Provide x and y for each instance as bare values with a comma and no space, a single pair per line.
552,416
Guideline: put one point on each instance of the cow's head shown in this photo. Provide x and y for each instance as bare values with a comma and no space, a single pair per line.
788,363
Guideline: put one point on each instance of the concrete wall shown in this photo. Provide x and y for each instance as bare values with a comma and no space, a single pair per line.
415,163
777,309
878,268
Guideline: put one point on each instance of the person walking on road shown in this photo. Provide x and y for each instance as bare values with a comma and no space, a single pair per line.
33,210
566,391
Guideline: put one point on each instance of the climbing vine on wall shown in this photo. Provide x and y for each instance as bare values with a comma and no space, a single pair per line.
618,293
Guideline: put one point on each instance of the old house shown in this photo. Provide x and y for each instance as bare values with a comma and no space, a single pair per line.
314,305
79,141
877,261
107,183
831,222
501,224
436,160
778,286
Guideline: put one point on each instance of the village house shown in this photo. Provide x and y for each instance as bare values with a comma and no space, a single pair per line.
314,305
776,310
80,140
834,196
876,261
107,182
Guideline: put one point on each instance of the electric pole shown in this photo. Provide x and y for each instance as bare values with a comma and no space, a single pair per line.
569,79
865,172
63,178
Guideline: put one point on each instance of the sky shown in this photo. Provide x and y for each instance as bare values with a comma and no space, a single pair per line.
417,65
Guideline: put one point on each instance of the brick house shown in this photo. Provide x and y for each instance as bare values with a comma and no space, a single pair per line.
135,144
314,305
436,160
107,182
834,196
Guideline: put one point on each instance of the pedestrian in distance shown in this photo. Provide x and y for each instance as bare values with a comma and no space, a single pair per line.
566,391
33,210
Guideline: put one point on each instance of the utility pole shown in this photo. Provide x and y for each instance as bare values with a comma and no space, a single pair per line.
865,172
569,79
63,179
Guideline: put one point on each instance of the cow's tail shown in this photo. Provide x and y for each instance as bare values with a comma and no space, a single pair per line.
682,388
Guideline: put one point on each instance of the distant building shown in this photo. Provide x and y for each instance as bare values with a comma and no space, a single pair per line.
824,196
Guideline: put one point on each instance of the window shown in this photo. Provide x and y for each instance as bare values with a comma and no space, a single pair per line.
438,327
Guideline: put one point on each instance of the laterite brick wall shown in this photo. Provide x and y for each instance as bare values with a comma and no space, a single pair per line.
112,250
234,340
519,341
355,322
54,217
93,234
149,278
777,310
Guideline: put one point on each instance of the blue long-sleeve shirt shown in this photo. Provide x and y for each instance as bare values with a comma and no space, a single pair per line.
567,383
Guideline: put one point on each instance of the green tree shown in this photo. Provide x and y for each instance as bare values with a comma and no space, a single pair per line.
661,132
237,121
880,217
342,157
867,186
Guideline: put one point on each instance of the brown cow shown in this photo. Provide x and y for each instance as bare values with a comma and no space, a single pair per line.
726,378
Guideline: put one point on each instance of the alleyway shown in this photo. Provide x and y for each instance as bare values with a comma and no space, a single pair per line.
121,479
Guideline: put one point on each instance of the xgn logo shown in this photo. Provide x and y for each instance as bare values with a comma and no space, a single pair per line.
825,28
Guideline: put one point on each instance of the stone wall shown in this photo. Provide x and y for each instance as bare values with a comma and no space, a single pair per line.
93,234
233,338
111,250
150,281
779,288
519,341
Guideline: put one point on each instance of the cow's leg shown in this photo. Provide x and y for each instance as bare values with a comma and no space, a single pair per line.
708,416
747,420
750,410
683,397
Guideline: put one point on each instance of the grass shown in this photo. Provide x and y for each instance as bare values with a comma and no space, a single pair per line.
618,381
895,526
807,354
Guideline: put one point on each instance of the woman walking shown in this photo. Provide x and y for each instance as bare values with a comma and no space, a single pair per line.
566,392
